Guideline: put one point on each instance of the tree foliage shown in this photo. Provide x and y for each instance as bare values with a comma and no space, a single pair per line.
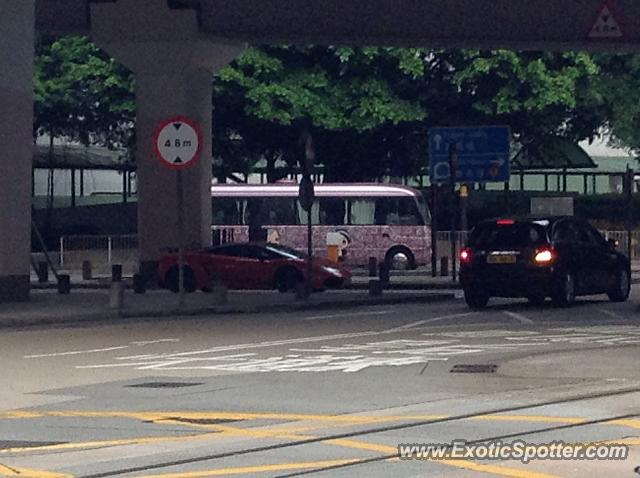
373,106
368,109
618,96
81,93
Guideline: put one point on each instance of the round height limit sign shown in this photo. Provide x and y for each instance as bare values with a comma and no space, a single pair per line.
177,142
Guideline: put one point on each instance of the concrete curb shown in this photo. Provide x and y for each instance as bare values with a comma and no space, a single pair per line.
116,316
293,307
411,286
359,285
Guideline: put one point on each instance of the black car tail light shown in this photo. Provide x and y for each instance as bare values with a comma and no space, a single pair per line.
466,255
544,256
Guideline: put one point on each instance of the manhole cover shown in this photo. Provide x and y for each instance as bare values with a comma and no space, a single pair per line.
204,421
164,385
474,368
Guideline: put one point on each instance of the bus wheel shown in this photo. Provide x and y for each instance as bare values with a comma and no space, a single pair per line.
287,279
172,279
400,258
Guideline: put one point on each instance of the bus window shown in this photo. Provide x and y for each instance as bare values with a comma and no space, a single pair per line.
387,211
408,212
302,214
362,211
399,211
255,214
280,211
226,212
333,211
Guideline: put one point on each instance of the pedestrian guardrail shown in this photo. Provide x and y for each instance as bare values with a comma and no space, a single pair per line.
101,251
104,251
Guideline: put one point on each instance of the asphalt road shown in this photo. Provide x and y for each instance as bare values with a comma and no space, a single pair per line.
322,393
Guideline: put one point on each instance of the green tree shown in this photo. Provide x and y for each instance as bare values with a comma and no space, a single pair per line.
370,108
81,93
342,94
617,94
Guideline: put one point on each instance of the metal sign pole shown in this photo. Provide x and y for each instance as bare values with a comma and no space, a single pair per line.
309,158
177,143
629,200
181,233
454,205
434,229
309,251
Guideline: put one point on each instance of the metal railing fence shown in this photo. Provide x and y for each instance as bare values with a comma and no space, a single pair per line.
101,251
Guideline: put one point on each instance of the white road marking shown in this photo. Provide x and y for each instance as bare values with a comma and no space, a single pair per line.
353,314
611,314
150,342
369,349
76,352
519,317
344,358
413,325
256,345
481,334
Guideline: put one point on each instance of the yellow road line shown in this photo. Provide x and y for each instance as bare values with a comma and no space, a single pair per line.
363,445
107,443
11,471
529,418
626,423
177,418
385,449
256,469
218,426
257,433
182,418
154,416
8,471
20,414
631,441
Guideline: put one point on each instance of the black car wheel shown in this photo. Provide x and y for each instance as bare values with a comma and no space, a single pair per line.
565,293
287,279
476,298
172,279
621,287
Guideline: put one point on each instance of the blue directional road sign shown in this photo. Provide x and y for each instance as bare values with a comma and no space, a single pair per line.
480,154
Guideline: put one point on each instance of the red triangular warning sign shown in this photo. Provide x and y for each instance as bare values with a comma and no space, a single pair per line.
605,26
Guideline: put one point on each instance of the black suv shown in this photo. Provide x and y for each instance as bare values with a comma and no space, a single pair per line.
557,257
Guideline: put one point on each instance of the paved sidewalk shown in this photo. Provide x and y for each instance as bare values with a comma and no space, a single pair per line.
47,307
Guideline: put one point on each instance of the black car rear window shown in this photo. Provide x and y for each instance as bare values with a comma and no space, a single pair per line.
494,235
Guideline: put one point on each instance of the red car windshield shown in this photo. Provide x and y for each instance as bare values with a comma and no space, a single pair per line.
285,251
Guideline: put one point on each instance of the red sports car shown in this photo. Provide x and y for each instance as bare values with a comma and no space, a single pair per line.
250,266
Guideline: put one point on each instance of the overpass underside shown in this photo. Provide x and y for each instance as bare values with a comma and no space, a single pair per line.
514,24
174,46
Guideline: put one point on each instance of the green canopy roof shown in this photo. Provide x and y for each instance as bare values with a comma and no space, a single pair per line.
551,153
70,156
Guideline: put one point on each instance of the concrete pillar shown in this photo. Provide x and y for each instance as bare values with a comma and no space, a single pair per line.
173,64
17,24
160,96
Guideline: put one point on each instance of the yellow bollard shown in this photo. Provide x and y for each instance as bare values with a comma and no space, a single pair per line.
333,253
